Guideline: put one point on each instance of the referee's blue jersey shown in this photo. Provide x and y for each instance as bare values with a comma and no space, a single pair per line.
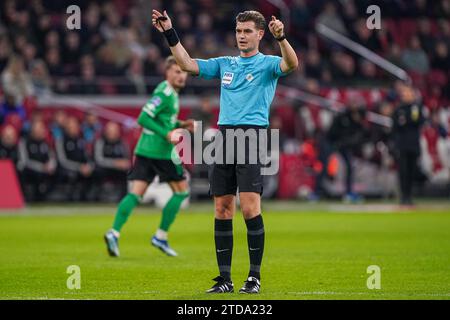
247,86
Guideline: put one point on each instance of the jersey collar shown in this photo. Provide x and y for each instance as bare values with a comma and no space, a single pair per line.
171,88
245,59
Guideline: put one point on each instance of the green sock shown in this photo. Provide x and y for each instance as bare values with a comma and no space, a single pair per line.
171,209
124,210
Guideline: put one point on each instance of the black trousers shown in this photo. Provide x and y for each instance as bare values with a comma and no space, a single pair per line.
36,185
77,187
407,167
117,177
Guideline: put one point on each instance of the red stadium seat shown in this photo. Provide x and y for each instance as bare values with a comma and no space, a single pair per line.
437,77
418,80
30,104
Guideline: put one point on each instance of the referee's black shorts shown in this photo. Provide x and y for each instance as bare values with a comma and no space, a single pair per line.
228,178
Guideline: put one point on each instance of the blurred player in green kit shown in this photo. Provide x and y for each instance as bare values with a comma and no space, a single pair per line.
159,120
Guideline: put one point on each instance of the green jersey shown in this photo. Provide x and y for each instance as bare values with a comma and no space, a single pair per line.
158,117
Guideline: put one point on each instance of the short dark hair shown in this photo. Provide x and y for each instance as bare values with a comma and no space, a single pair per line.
170,61
252,15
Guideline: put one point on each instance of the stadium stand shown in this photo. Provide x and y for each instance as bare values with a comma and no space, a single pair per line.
117,54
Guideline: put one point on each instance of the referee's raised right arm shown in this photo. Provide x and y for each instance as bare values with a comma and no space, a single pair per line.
163,23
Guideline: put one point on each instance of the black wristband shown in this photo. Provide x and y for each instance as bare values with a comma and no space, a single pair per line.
281,38
171,37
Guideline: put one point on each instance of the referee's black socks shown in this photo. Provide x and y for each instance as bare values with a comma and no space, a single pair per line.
255,239
223,235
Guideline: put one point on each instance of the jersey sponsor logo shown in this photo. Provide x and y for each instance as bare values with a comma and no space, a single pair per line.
227,78
156,101
249,77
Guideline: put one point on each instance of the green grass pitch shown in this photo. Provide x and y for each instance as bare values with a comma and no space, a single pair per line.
312,252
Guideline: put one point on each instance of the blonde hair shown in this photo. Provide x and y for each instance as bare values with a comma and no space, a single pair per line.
170,61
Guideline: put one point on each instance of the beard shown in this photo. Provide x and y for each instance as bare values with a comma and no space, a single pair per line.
248,49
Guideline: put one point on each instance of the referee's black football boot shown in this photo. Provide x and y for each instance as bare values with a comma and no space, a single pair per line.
222,286
252,285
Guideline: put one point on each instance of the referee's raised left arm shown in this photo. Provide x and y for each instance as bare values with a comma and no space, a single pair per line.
163,23
289,60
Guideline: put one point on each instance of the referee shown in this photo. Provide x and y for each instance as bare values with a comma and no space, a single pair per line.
248,83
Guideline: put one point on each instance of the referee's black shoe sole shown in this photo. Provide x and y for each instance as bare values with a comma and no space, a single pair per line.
222,286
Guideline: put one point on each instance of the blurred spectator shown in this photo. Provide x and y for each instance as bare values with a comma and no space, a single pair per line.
135,77
52,41
75,167
120,49
16,81
53,60
87,83
366,36
444,31
112,157
313,64
395,55
36,116
112,23
414,58
152,60
37,163
40,78
367,74
107,62
43,24
58,123
385,37
29,54
184,23
21,24
5,52
11,107
71,52
204,25
346,134
90,36
330,18
8,144
300,15
91,127
425,35
343,68
441,58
